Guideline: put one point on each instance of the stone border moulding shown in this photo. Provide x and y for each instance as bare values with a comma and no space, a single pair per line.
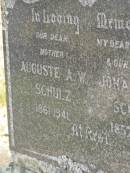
65,164
11,3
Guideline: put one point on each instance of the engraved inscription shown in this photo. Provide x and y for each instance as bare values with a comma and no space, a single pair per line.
57,113
44,17
116,44
103,22
52,36
52,53
40,69
53,92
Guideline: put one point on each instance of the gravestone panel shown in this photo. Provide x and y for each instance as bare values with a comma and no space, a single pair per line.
68,78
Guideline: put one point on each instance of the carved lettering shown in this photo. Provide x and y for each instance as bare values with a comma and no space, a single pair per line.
115,44
40,69
55,19
54,112
53,92
117,83
103,22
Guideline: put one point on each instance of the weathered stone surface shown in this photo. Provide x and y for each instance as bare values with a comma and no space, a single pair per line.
68,83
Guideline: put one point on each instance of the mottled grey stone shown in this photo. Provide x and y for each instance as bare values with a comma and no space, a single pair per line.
68,77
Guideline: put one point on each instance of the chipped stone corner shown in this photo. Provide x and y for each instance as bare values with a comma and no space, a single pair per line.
10,3
33,164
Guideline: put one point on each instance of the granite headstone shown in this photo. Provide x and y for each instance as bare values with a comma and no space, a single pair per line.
68,83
